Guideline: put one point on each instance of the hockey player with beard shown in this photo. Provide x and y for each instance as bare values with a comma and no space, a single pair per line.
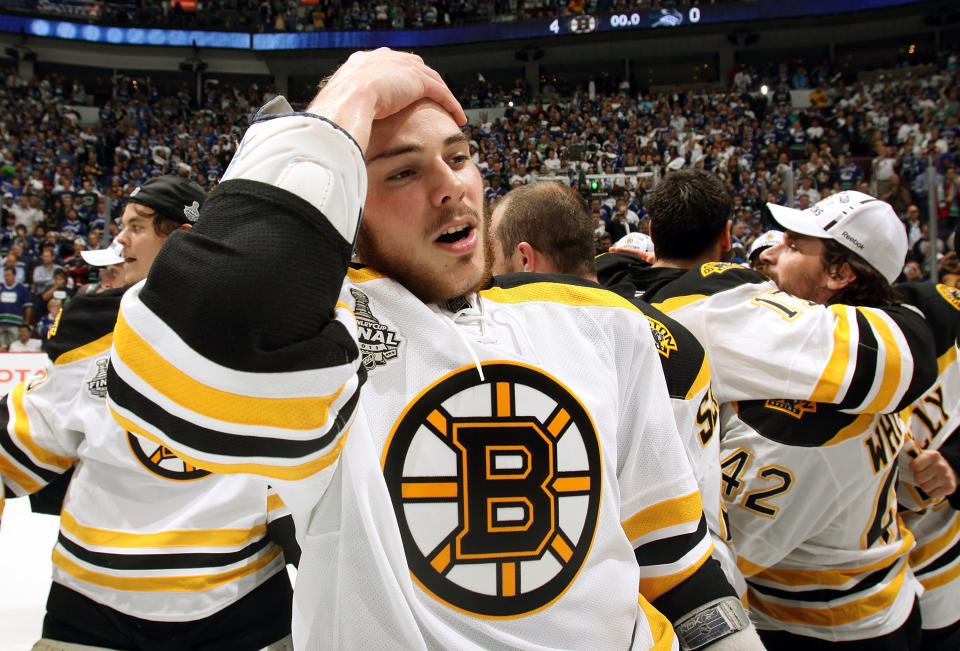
468,468
153,553
809,485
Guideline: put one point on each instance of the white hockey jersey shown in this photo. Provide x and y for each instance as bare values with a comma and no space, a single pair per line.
140,531
508,464
687,372
766,343
812,509
810,486
932,422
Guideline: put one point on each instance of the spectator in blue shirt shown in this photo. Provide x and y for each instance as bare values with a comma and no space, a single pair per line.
16,307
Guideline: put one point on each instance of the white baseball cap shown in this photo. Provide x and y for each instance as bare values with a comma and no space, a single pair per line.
867,226
639,242
765,241
113,254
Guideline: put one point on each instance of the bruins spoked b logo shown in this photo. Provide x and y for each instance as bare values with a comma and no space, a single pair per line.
496,486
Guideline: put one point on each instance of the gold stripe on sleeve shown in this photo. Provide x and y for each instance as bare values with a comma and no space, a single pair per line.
892,366
655,586
180,388
276,472
21,428
828,386
679,510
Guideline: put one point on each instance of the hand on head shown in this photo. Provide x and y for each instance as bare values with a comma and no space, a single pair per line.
375,85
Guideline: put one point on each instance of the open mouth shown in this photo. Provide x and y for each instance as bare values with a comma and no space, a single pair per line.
455,234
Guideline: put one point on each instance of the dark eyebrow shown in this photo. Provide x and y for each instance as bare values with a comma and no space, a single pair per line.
416,149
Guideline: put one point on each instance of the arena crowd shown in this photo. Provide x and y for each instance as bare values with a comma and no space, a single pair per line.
62,181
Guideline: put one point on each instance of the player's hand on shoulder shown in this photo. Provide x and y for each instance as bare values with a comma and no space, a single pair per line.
376,84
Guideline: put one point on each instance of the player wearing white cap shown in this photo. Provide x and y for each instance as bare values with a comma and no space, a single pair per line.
152,552
809,506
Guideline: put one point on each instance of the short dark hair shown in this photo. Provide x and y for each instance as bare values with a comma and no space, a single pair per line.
688,211
870,289
554,220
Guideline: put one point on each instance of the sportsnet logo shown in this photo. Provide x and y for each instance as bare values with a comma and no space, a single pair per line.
795,408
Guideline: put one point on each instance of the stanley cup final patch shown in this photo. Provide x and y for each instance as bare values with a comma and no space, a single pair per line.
378,343
97,385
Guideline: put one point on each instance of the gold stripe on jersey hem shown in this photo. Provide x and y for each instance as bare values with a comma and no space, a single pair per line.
654,587
95,347
183,390
679,510
196,583
939,580
575,295
891,378
677,302
937,546
299,471
701,381
182,538
660,627
21,427
832,578
828,386
836,615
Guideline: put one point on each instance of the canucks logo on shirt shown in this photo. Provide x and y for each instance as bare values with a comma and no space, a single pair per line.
496,486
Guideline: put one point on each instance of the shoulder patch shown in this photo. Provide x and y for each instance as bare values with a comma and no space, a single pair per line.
378,343
97,385
801,423
950,294
709,268
795,408
662,337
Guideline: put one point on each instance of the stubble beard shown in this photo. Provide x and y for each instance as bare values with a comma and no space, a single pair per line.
422,282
